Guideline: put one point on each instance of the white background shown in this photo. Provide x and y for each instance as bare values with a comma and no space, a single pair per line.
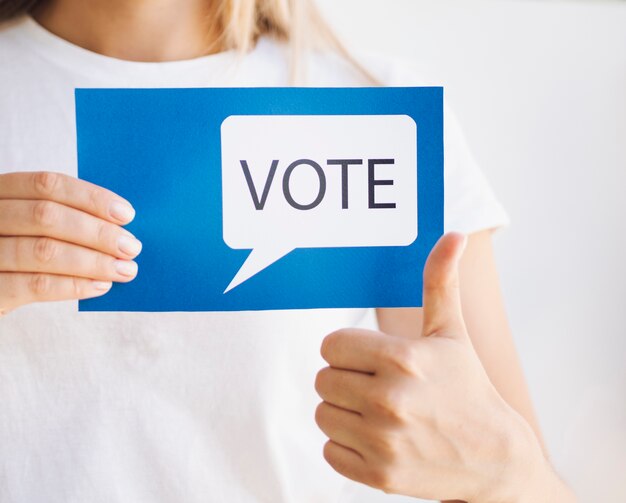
540,88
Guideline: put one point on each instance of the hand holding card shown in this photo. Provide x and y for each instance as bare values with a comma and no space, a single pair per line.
61,239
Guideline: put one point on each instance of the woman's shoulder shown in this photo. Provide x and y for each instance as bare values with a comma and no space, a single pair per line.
11,29
348,67
16,61
392,69
368,67
12,38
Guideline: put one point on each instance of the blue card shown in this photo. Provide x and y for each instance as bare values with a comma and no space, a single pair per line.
269,198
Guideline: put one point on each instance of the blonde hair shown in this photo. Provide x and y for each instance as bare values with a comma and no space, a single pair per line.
296,22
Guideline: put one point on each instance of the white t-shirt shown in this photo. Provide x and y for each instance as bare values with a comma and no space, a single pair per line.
169,407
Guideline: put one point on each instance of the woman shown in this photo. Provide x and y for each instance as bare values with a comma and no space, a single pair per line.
222,406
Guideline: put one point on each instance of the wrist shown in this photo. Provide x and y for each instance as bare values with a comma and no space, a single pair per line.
524,469
527,476
545,486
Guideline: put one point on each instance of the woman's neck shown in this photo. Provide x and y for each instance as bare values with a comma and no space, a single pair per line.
135,30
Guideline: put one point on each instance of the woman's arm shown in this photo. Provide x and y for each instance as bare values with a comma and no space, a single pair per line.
486,322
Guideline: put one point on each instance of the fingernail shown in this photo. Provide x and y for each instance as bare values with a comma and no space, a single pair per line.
102,285
122,211
129,245
126,267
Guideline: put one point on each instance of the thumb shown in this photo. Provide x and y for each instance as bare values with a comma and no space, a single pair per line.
441,294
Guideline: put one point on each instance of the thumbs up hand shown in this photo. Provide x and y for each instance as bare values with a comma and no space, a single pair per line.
420,417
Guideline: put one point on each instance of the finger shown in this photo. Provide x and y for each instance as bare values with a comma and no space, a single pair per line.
47,218
345,461
340,425
28,254
17,289
362,350
69,191
343,388
442,299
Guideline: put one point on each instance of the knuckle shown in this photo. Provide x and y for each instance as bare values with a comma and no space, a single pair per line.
329,343
388,447
320,414
77,287
337,341
103,235
382,478
45,250
94,198
321,380
40,285
329,457
326,452
403,356
385,447
388,404
46,183
336,461
16,252
45,214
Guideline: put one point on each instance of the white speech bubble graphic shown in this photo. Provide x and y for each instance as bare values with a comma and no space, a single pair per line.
316,181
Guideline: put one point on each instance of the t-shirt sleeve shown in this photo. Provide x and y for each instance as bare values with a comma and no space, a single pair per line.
470,203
